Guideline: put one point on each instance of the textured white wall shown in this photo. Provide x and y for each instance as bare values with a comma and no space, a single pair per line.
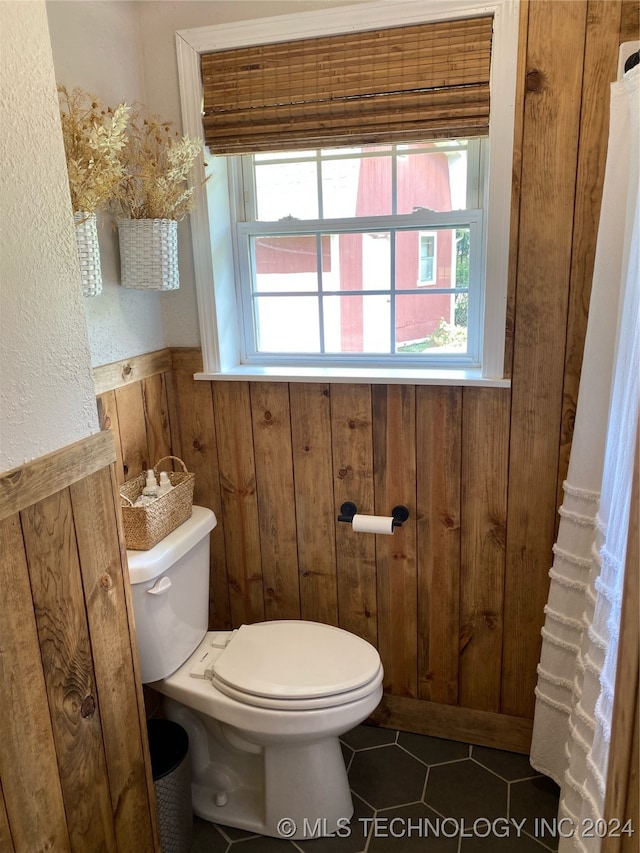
126,51
47,396
96,47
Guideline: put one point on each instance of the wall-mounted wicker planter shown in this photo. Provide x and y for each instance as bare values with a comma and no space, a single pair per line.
149,254
88,253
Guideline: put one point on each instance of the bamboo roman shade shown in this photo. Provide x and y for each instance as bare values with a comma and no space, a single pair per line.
418,82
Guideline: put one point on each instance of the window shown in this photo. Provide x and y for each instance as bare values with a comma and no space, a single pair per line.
458,254
427,258
333,255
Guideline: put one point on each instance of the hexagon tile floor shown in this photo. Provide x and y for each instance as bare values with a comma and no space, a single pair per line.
423,794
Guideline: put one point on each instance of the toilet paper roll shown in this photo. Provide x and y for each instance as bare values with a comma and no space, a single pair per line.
373,523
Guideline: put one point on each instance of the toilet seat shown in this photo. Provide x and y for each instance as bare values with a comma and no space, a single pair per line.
330,701
295,665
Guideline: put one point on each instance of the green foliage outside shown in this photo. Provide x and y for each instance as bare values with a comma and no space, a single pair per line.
462,277
446,333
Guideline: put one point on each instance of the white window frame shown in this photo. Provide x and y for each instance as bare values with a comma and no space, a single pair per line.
428,282
211,235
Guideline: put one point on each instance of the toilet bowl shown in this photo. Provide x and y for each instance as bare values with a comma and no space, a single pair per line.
263,705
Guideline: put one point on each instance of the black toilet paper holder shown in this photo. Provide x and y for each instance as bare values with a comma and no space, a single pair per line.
348,510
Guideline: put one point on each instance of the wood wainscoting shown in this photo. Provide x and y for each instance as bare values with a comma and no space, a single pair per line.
75,773
275,461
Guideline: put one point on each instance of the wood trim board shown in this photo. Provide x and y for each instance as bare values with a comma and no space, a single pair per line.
33,482
484,728
107,377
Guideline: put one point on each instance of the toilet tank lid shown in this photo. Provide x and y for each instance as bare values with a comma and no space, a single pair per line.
147,565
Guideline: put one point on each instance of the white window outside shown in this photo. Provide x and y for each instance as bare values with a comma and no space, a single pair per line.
256,312
331,253
427,259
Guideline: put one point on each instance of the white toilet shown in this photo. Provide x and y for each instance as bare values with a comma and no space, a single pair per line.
263,705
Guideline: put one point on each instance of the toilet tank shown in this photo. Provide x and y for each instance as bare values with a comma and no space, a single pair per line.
170,589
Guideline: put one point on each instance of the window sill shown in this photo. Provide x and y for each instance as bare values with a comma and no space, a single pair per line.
355,375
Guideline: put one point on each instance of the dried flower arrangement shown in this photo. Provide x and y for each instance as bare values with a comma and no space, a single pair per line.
94,139
158,164
140,167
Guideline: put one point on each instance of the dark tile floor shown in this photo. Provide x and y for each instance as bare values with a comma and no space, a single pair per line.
417,793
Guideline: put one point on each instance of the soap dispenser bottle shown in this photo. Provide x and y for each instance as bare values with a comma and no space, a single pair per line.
165,484
150,489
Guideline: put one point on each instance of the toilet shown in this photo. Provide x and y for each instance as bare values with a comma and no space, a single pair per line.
263,705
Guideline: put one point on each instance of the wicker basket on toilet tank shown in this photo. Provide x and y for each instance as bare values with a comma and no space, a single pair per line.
145,526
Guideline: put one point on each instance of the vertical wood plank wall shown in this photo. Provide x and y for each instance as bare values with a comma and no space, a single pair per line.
623,775
454,601
75,773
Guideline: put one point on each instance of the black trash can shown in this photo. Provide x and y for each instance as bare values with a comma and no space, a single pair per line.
169,748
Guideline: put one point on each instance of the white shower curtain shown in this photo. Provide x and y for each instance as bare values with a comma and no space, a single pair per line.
576,674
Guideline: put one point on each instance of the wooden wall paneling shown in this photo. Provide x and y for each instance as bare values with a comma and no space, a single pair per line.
394,466
632,805
276,498
172,411
622,801
630,21
451,722
56,586
197,439
6,842
315,520
514,224
133,430
28,764
600,68
485,447
551,129
130,371
109,627
108,419
188,359
156,411
438,462
236,460
30,483
352,448
137,671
